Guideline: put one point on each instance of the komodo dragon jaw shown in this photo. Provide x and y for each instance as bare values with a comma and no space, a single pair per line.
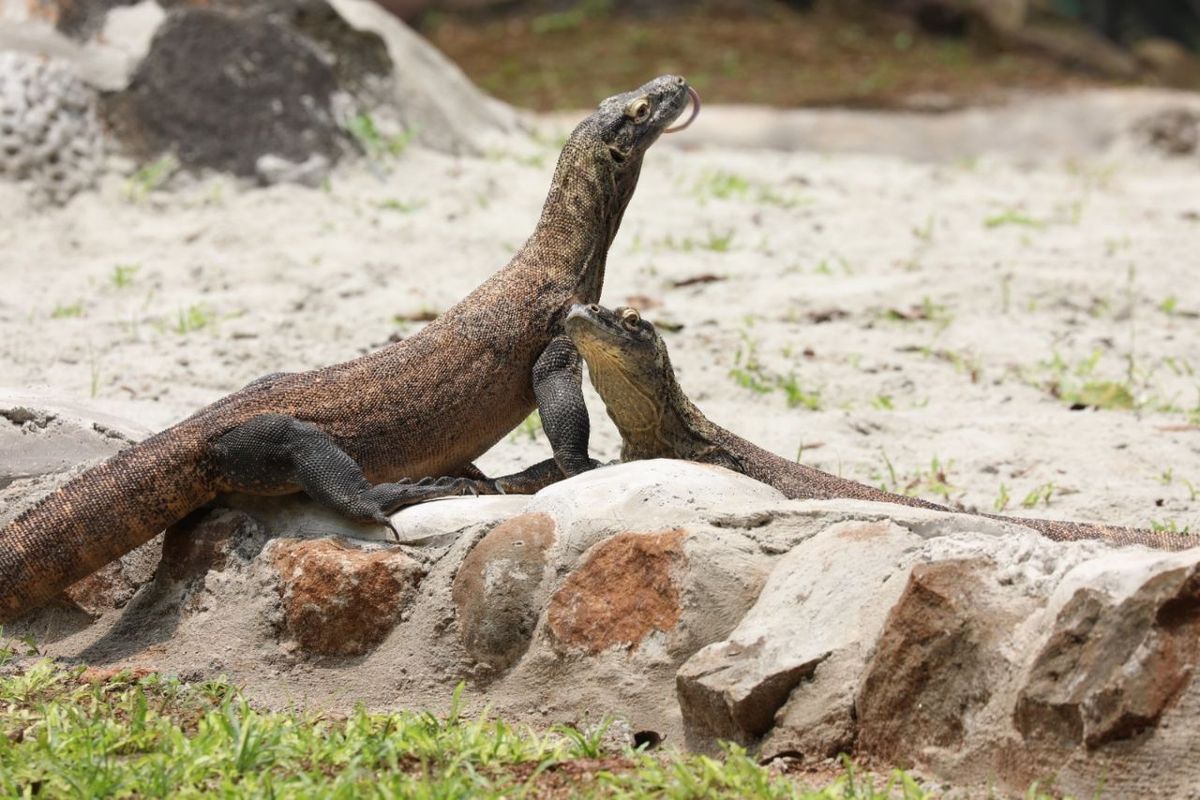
397,426
628,364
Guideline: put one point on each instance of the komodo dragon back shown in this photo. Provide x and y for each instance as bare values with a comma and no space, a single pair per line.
105,512
629,366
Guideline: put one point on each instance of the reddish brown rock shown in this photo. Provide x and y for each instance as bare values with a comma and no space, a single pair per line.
937,661
624,590
495,590
1110,670
339,599
113,585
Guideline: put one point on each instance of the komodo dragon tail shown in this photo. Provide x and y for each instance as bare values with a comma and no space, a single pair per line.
98,516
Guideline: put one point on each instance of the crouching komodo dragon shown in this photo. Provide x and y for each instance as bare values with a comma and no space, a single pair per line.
628,364
368,436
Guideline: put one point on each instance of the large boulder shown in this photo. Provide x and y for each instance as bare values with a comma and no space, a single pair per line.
261,89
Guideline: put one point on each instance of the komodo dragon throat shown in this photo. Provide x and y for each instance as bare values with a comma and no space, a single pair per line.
628,364
366,437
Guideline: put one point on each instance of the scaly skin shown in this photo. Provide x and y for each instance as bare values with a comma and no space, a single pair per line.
359,436
629,366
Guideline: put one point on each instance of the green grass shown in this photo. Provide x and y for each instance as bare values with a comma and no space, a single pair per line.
373,142
529,428
123,275
67,311
151,177
153,736
1012,217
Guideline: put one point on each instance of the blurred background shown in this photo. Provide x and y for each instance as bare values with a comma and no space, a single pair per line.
926,54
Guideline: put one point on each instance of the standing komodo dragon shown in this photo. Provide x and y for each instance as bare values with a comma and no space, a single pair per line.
368,436
628,364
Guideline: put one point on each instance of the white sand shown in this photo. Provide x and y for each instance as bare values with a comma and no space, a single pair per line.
291,278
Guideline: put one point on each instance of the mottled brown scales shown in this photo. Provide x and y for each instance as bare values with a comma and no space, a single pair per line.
358,436
629,366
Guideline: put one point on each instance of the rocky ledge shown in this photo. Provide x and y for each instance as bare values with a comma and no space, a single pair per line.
698,605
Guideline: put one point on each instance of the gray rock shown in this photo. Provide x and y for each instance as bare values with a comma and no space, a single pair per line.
49,134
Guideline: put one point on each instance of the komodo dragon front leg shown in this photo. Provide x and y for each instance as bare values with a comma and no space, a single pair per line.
558,388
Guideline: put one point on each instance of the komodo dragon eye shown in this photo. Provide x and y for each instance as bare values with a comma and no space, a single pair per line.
638,110
630,317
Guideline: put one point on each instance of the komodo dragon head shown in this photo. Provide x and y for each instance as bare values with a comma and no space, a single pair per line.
628,364
627,124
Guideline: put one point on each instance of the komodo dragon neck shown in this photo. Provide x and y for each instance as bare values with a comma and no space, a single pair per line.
655,419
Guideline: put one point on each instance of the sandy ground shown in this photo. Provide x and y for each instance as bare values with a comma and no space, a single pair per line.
868,314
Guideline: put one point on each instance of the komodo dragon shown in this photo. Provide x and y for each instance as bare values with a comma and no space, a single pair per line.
368,436
629,366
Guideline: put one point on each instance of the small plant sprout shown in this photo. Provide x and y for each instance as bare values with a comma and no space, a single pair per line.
1041,494
194,318
529,428
1002,499
123,275
1012,216
67,311
150,177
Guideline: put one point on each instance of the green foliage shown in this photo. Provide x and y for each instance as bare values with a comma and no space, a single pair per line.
932,481
749,373
377,146
721,185
530,427
150,177
1169,526
1041,494
154,736
123,275
714,242
570,19
195,317
403,207
1012,217
1101,394
1002,499
67,311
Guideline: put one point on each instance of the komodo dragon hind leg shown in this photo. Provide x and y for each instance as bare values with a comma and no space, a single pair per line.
275,451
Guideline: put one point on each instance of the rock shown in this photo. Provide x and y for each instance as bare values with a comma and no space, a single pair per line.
495,588
1172,131
807,612
44,440
222,91
277,90
941,655
339,599
273,169
625,589
49,134
1169,60
1130,652
698,605
115,584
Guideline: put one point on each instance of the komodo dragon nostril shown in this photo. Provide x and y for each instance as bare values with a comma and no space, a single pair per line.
595,309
